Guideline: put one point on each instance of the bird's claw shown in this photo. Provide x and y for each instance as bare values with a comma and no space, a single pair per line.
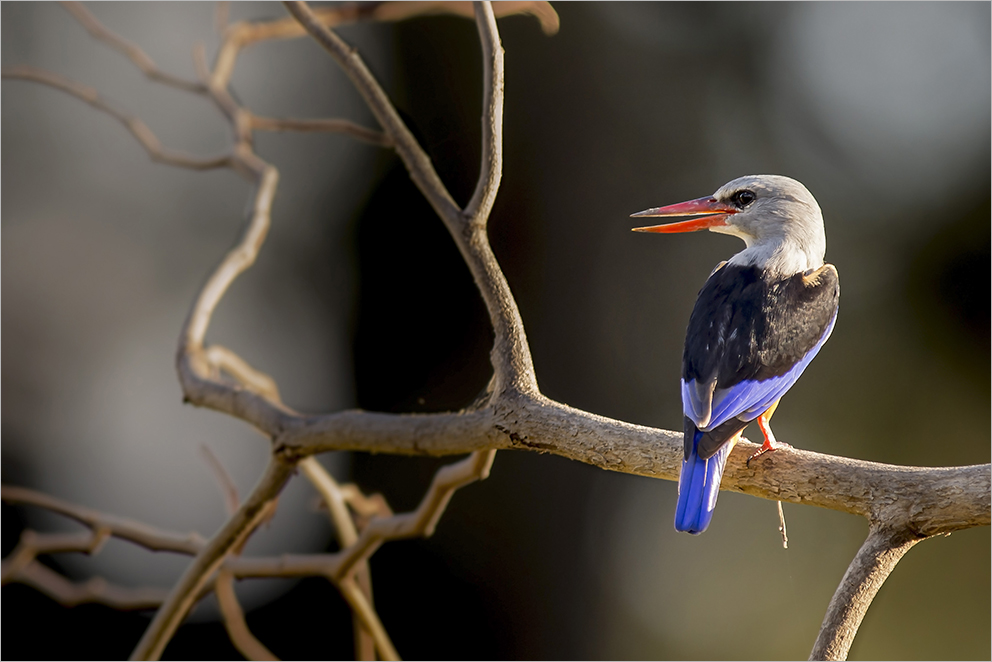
765,448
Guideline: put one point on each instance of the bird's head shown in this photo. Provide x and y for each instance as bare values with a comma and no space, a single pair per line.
777,217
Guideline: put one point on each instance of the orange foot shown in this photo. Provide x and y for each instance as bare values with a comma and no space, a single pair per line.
770,443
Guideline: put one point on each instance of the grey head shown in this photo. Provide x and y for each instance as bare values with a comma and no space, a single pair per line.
777,217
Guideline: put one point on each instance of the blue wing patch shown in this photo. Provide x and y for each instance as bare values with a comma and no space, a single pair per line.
745,400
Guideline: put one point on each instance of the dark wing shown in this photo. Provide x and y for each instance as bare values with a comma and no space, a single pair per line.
749,339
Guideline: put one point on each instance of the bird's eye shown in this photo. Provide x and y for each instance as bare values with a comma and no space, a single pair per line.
743,198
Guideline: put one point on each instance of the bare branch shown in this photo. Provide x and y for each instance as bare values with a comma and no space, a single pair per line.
137,128
491,170
422,521
347,127
192,363
140,59
209,560
872,565
148,537
234,620
98,590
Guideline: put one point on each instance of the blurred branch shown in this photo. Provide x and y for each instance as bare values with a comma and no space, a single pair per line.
137,128
132,52
348,127
95,590
156,540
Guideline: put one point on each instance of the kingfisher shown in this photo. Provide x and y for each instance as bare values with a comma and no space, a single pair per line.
758,321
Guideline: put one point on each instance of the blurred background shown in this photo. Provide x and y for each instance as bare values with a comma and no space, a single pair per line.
359,298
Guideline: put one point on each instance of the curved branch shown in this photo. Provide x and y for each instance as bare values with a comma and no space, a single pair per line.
234,620
877,557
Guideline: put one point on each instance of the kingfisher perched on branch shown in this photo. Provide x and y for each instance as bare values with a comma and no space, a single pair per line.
759,320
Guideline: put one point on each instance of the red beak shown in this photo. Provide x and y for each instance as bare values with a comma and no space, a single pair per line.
718,213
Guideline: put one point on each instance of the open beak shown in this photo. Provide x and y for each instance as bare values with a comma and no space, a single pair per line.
716,215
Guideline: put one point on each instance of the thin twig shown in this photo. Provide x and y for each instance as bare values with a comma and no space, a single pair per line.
156,540
422,521
95,590
140,59
781,526
138,129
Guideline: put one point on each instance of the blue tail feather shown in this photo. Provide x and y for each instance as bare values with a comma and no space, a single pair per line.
699,486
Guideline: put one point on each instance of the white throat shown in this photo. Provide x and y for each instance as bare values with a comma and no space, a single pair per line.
782,257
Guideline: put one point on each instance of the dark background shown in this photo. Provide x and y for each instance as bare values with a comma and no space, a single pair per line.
360,299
